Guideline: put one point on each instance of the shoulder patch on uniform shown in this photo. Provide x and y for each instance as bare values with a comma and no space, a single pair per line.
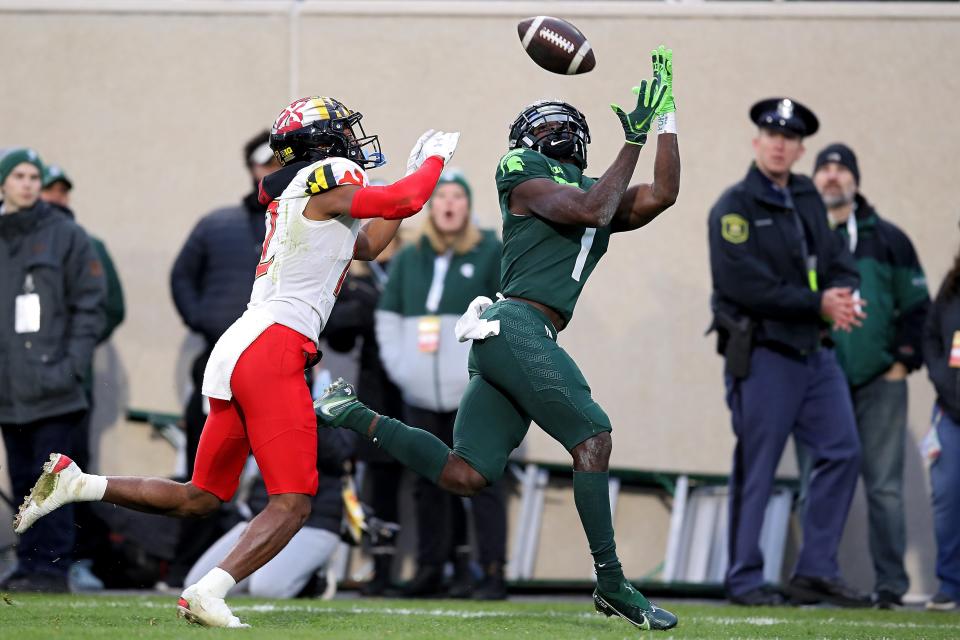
333,172
512,162
734,228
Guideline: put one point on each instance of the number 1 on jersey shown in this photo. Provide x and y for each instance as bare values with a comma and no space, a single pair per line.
586,242
264,265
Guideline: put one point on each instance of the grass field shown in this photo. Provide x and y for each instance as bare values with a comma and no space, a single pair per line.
120,617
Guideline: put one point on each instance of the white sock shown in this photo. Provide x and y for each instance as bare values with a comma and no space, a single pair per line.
217,583
89,487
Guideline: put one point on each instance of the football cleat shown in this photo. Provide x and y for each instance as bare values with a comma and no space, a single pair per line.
629,604
55,488
335,402
196,607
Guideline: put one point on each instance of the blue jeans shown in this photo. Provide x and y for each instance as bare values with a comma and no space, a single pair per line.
945,481
46,547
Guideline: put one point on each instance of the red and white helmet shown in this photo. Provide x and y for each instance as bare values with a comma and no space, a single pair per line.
319,127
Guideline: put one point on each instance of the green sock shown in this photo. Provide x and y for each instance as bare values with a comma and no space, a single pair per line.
414,448
591,493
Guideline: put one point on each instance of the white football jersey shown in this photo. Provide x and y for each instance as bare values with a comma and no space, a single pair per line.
302,267
304,262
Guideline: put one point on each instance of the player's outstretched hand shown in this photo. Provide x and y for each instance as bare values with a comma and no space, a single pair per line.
636,124
441,144
416,158
663,70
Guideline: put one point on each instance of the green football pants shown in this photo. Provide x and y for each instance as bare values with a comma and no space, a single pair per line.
520,375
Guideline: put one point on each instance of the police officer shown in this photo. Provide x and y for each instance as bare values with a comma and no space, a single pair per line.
781,278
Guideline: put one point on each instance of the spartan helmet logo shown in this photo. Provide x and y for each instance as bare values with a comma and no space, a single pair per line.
785,109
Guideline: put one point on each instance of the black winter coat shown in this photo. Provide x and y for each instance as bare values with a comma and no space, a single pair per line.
213,274
757,236
44,252
943,322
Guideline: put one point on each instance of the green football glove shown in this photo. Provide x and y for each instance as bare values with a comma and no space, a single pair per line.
663,69
636,124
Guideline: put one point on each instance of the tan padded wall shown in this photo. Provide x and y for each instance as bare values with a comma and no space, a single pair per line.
148,108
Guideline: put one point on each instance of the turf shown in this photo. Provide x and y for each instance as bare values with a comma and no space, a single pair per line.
78,618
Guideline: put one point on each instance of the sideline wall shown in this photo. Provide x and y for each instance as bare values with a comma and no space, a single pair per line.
147,105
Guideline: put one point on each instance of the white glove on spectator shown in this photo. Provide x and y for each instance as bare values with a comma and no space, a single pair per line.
415,159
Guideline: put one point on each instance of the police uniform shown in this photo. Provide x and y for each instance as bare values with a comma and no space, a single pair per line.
772,253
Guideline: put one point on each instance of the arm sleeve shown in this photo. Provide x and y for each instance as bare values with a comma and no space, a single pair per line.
911,300
403,198
740,275
185,277
85,290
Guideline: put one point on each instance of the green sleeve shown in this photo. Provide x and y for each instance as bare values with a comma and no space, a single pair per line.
113,305
519,166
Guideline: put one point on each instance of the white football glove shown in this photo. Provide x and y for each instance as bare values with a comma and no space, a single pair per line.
415,159
440,144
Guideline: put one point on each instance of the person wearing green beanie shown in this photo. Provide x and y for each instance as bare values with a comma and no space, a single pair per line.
19,183
54,284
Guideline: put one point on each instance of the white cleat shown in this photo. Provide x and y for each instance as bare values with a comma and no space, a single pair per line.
199,608
55,488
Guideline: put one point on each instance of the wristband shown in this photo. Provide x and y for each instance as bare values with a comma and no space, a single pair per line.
667,123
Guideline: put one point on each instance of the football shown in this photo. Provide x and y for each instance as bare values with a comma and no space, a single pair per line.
556,45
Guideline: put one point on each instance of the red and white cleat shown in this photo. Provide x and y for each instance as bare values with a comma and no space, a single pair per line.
55,488
203,609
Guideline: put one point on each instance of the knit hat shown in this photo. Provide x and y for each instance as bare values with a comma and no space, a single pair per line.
842,155
16,157
456,176
55,173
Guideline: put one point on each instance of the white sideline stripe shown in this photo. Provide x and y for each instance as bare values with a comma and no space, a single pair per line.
577,59
763,621
532,31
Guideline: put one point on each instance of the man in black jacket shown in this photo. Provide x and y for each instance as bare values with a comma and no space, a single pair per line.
778,273
52,289
213,274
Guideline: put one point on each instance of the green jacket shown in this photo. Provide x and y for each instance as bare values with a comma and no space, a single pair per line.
418,348
895,288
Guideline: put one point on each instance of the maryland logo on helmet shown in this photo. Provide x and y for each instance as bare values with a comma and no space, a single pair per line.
320,127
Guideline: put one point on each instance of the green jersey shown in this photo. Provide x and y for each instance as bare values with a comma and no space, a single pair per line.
545,261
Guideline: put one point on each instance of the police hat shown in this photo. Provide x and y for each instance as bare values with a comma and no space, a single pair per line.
784,114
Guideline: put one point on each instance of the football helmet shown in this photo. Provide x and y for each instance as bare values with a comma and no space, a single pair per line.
319,127
566,141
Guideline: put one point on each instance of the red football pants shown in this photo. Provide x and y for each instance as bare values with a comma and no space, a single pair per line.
271,413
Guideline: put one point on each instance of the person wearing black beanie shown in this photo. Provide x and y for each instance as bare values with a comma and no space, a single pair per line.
877,357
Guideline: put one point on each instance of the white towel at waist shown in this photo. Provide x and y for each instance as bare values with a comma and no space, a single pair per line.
229,348
471,326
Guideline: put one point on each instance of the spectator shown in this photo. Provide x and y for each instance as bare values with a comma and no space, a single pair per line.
431,283
211,281
57,186
311,547
941,354
350,320
877,357
53,286
778,272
